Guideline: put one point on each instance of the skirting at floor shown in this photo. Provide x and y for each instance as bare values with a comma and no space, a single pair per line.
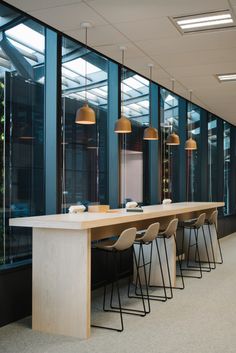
200,319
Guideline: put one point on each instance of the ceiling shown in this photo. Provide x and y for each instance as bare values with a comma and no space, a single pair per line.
150,37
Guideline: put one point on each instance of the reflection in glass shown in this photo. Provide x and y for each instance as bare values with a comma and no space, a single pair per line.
22,131
227,160
169,117
134,150
212,159
84,147
193,157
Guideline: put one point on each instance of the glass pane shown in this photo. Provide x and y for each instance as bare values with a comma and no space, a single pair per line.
212,159
193,157
22,132
227,161
84,147
169,117
134,150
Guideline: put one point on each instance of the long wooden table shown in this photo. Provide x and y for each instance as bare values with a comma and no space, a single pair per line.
62,259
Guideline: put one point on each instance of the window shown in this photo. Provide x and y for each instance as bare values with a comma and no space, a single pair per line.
169,115
134,150
22,130
227,165
84,147
212,159
193,157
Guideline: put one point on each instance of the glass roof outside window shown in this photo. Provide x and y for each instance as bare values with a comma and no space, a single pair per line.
79,63
135,97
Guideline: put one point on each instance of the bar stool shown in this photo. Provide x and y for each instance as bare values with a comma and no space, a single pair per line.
196,225
169,232
212,220
148,237
116,247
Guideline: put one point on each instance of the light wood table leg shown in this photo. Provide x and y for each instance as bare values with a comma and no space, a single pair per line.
61,281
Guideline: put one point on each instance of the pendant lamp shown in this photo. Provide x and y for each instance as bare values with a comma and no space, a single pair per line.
190,144
150,133
85,115
173,138
123,124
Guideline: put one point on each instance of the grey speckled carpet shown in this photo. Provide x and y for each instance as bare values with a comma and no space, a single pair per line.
200,319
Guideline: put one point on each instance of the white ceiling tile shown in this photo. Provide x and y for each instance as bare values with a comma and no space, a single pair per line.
190,43
31,5
149,29
144,28
98,36
196,58
69,17
131,10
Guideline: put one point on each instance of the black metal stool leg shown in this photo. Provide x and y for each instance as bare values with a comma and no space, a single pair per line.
212,249
168,269
207,252
180,266
197,249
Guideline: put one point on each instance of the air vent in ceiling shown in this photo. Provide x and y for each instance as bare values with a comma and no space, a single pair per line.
204,22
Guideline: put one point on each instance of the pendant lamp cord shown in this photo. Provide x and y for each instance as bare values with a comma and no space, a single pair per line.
173,89
150,95
122,79
190,115
86,45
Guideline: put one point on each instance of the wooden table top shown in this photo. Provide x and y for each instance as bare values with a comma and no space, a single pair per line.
89,220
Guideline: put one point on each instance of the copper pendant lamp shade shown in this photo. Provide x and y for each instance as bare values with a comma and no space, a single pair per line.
150,133
123,126
190,144
85,115
173,139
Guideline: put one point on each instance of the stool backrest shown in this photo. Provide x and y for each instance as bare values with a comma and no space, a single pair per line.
200,220
126,239
171,228
213,218
151,233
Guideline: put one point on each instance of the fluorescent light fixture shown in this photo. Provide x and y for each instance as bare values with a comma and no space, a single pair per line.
206,24
226,77
204,21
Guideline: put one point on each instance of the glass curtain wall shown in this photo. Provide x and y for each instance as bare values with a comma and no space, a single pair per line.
227,165
133,149
22,129
212,158
169,117
84,147
193,166
82,156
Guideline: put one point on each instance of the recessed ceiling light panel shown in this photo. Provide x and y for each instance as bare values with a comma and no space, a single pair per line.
204,21
226,77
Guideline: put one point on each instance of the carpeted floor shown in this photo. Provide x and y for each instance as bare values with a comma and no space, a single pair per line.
200,319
